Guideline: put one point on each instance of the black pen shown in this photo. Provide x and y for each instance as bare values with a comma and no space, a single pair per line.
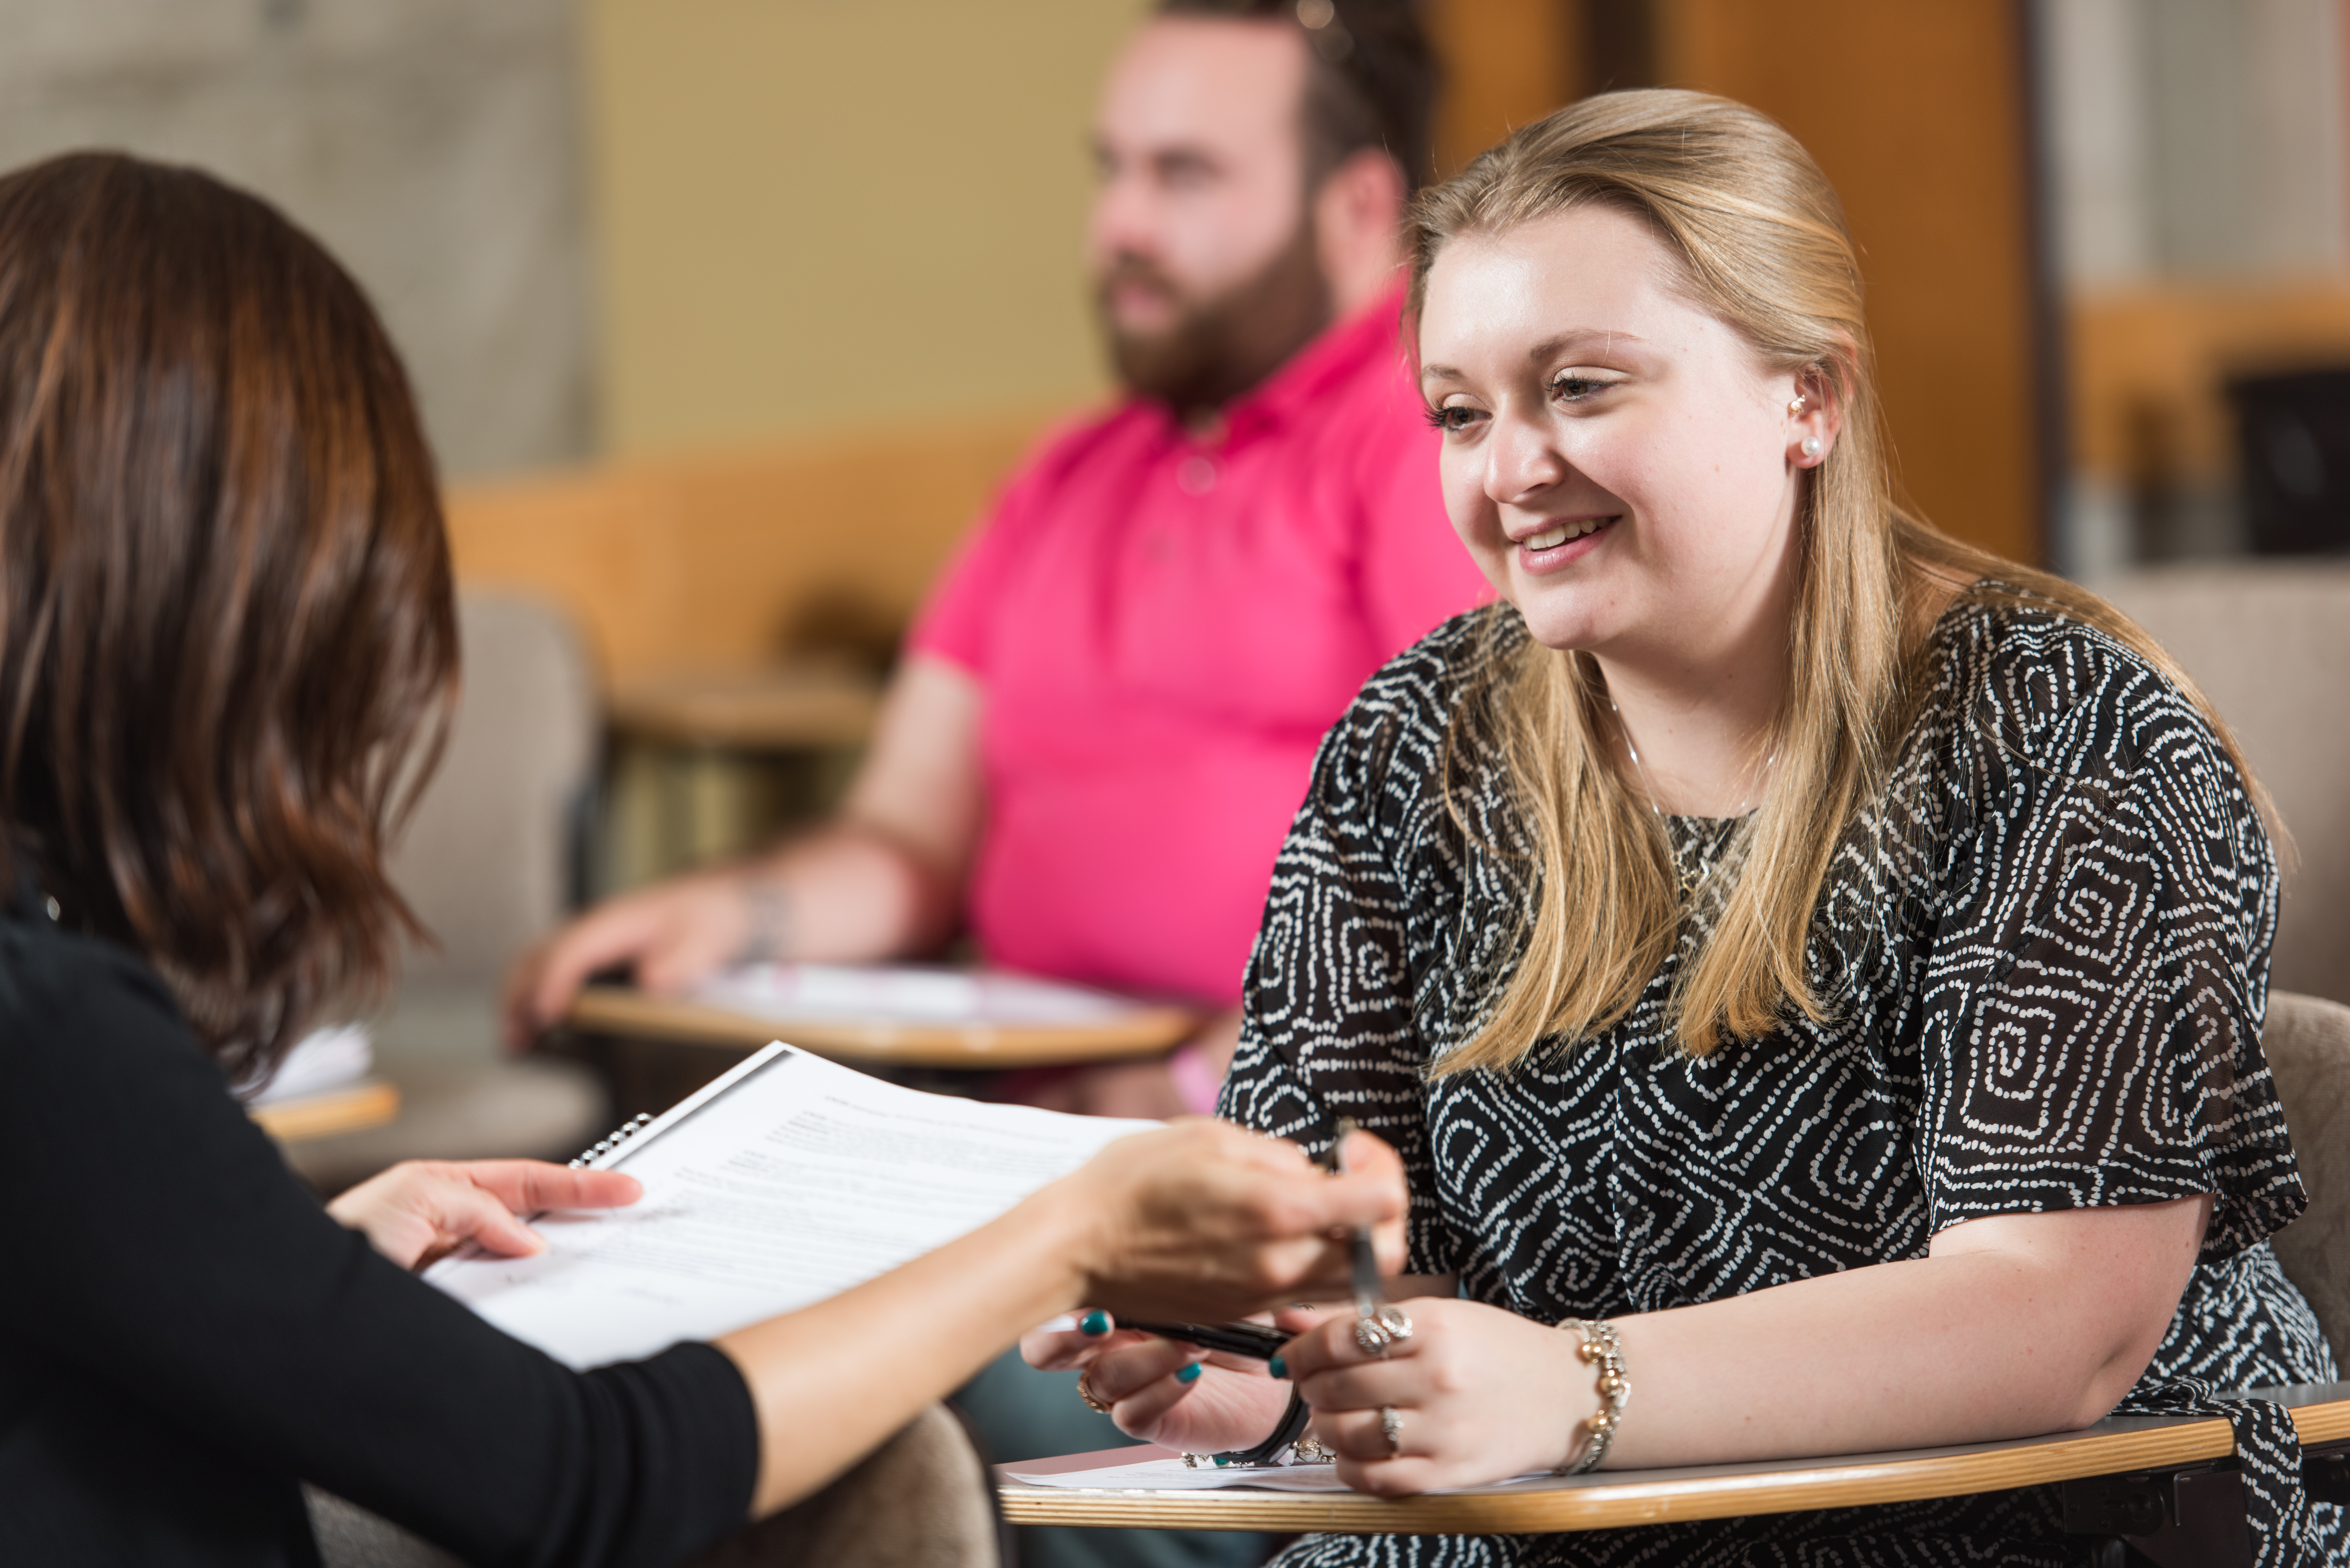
1256,1341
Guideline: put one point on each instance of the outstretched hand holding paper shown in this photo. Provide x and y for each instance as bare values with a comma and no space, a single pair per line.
787,1181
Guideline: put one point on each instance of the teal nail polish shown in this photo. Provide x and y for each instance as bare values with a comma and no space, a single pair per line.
1190,1373
1094,1322
1277,1366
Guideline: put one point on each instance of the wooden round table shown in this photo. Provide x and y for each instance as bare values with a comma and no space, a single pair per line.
2118,1445
348,1107
767,708
887,1042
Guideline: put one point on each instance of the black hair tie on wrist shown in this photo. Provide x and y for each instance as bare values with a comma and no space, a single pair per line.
1291,1426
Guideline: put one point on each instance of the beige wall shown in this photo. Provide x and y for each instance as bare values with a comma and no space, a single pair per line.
817,215
431,144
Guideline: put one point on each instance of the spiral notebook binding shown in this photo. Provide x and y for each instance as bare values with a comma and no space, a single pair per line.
620,1135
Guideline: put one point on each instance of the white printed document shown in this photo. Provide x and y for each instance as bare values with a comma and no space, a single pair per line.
788,1180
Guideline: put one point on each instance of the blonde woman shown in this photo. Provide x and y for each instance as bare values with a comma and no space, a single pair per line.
1812,970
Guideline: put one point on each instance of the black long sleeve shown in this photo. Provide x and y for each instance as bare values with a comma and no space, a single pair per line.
185,1335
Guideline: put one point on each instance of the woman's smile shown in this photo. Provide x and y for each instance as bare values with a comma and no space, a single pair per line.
1557,543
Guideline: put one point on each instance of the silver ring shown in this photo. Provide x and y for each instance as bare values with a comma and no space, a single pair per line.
1376,1331
1086,1393
1311,1451
1391,1427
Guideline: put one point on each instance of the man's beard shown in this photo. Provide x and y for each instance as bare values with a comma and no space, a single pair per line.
1219,347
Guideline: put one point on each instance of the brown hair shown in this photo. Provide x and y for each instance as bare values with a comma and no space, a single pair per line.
225,613
1762,244
1372,77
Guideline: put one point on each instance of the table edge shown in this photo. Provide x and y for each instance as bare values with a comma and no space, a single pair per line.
353,1107
1146,1032
1657,1496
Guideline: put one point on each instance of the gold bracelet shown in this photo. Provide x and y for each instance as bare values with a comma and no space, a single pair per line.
1600,1348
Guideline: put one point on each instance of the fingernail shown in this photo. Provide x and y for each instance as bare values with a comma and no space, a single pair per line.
1190,1373
1096,1324
1277,1366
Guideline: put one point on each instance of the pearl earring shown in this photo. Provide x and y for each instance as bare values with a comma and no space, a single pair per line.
1811,446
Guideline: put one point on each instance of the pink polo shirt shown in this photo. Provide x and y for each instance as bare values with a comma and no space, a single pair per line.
1164,628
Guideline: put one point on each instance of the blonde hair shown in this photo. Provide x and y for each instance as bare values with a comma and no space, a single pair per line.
1762,244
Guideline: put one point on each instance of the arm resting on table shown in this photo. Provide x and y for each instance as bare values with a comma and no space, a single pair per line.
2012,1326
881,880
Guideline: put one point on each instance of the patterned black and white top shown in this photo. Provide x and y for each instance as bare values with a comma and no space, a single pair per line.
2046,955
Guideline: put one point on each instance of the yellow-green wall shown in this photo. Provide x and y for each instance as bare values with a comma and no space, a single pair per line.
819,214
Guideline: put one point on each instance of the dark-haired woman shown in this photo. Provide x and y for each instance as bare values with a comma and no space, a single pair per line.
224,624
1812,970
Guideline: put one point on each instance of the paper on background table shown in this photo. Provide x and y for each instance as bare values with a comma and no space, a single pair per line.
907,994
334,1057
788,1180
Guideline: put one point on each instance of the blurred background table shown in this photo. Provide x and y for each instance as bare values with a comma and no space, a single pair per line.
780,707
709,763
650,1046
351,1107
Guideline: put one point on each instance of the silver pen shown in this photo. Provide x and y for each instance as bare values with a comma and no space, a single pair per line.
1378,1323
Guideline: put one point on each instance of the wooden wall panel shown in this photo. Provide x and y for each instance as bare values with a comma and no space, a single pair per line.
735,557
1917,111
1506,63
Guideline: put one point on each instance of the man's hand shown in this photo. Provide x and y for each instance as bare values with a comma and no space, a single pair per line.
673,935
419,1209
881,881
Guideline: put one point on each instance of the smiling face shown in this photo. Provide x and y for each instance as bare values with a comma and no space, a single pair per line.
1617,460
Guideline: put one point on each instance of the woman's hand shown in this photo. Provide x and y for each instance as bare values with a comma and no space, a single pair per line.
1202,1221
1481,1395
419,1209
1196,1221
1165,1392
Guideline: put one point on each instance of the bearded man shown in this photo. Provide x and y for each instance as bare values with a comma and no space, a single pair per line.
1106,712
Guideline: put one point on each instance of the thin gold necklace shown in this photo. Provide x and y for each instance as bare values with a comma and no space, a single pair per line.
1689,880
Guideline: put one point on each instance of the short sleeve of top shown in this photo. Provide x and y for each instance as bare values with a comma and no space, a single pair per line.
955,621
2098,967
